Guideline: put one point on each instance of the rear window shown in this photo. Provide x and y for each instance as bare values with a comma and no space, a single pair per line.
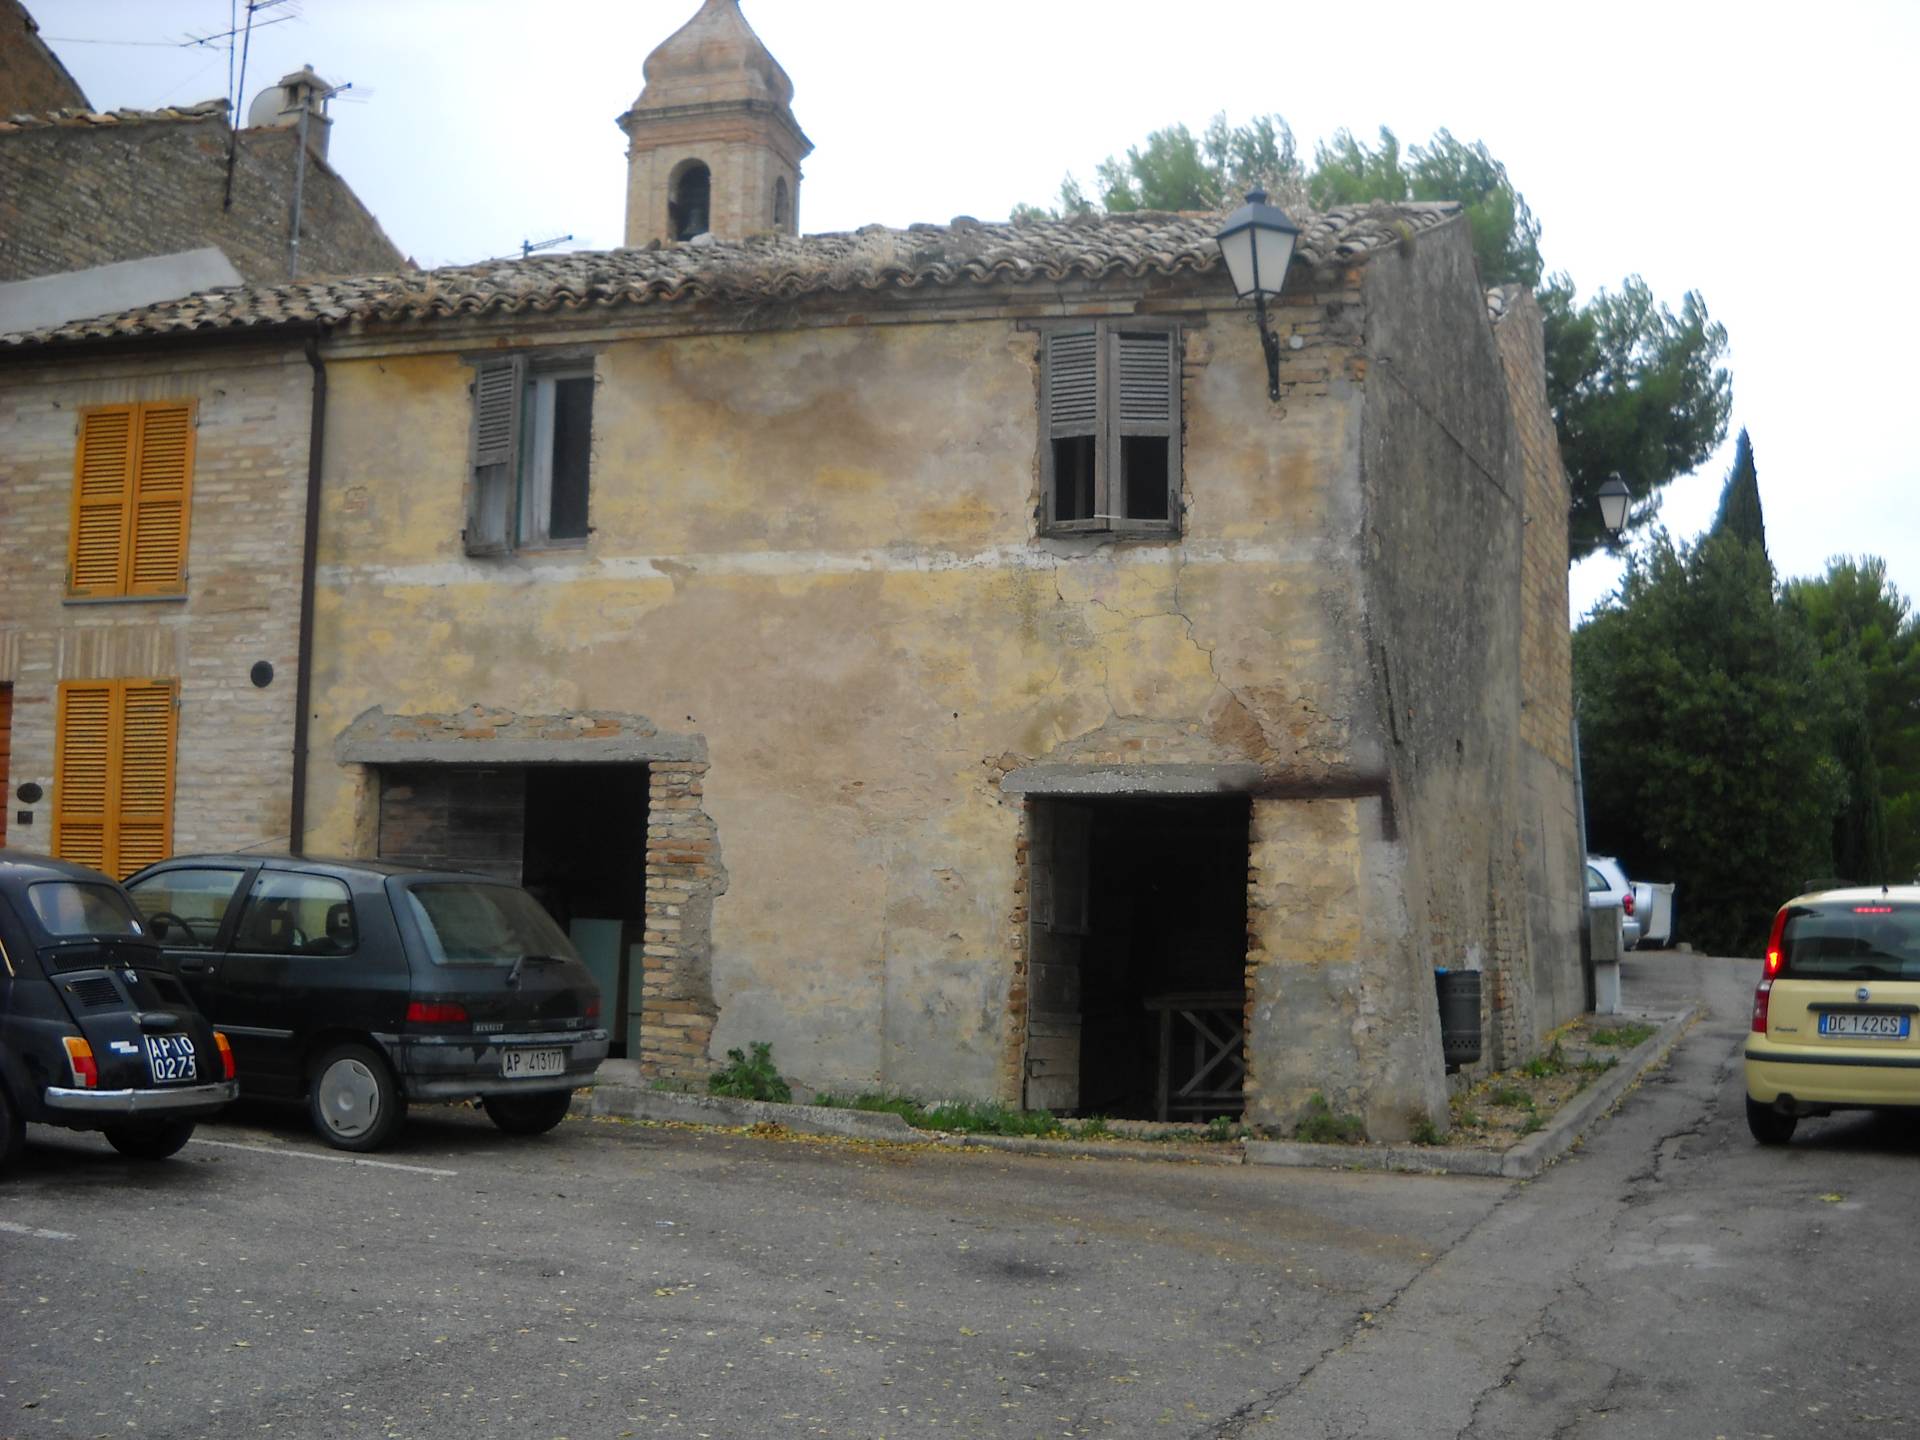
465,923
74,907
1861,940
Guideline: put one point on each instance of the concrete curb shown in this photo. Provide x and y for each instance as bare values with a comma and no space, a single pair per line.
674,1107
1215,1154
1523,1161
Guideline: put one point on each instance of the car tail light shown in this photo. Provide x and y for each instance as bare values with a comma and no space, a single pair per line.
420,1012
1762,998
1626,903
226,1055
1774,942
86,1073
592,1011
1873,909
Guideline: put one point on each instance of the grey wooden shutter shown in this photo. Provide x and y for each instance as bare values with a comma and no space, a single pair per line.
1072,375
495,454
1147,363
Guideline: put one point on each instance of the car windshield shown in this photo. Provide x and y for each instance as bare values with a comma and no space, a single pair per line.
1852,940
76,907
468,923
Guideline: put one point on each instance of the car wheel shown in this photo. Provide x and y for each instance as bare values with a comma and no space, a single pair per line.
13,1131
1768,1125
352,1098
528,1114
150,1142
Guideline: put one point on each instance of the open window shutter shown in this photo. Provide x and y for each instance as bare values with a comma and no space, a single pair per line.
1072,385
83,773
1148,364
145,820
102,488
162,476
497,387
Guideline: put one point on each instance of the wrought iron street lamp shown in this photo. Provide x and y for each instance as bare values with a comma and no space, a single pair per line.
1613,497
1257,243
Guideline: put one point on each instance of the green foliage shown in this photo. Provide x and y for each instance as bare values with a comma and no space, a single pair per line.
1636,390
966,1117
1220,1129
1318,1125
1540,1067
1597,1064
753,1078
1870,642
1532,1123
1706,728
1622,1037
1511,1097
1740,514
1094,1127
1424,1131
1506,237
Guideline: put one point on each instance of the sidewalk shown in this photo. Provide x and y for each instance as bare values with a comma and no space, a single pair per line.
622,1093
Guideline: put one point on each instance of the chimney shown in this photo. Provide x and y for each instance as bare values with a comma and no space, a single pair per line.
281,106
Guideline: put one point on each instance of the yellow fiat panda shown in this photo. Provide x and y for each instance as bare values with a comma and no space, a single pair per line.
1833,1017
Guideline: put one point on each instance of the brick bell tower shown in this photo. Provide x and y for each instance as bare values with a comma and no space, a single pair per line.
713,147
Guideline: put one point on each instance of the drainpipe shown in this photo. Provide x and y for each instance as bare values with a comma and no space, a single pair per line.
1589,979
309,555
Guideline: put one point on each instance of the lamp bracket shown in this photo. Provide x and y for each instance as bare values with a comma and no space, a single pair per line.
1270,343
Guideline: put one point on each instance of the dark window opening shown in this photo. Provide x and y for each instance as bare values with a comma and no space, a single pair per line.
1073,496
782,206
574,836
692,195
1143,472
572,437
1137,980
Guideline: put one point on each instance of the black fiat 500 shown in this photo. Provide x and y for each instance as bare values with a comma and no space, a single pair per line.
358,988
95,1033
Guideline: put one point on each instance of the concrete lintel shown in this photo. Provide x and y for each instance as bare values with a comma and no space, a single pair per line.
365,742
1057,779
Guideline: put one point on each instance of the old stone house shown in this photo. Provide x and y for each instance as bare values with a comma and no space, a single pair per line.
930,650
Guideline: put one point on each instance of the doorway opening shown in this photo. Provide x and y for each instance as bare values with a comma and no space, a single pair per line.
1137,955
574,835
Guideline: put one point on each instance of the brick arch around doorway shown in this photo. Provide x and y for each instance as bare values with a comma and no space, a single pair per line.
601,815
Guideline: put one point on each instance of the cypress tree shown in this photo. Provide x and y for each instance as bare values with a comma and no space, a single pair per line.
1740,514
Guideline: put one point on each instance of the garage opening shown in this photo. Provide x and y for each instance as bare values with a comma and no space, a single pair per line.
574,835
1137,956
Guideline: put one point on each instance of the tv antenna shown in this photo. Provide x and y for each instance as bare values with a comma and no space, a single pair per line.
527,247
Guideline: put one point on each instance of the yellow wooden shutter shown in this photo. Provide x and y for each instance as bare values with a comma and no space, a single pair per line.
145,819
162,475
102,487
113,774
83,772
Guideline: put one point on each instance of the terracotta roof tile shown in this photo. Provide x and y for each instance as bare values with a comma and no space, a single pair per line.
766,268
79,119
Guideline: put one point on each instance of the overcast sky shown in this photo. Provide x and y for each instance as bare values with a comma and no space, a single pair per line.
1751,151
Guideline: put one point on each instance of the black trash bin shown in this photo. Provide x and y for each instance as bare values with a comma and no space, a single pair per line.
1459,992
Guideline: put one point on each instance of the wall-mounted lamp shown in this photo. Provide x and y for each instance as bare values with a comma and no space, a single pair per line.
1613,496
1257,243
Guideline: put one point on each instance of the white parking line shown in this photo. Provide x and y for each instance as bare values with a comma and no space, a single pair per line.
33,1232
316,1155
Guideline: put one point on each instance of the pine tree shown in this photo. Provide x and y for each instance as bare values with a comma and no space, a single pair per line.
1740,514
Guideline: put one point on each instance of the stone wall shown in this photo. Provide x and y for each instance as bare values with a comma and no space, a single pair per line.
233,772
1556,894
31,76
76,194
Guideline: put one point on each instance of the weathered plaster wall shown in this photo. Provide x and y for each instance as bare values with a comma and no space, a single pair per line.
232,776
1444,496
813,551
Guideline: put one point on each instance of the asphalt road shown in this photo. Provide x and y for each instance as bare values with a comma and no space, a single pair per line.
1669,1278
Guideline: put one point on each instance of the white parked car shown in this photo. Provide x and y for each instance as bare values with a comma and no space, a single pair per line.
1607,884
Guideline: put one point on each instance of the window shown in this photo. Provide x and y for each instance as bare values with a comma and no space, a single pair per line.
1111,401
184,908
468,924
68,907
113,774
532,437
132,472
296,915
782,206
692,197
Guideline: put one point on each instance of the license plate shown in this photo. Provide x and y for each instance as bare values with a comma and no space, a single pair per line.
170,1059
532,1062
1881,1027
